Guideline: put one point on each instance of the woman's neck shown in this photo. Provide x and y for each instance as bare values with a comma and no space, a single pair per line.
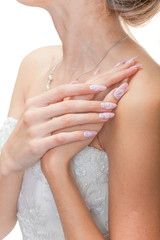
86,30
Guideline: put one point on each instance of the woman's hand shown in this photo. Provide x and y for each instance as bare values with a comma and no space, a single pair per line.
61,156
43,114
120,73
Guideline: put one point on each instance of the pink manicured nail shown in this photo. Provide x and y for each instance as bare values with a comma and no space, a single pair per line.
96,88
120,91
108,105
106,115
88,134
137,66
74,82
118,64
132,59
97,71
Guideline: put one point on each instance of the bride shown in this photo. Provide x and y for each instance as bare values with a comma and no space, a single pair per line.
78,160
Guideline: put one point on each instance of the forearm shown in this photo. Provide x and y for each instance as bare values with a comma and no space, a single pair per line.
9,192
75,217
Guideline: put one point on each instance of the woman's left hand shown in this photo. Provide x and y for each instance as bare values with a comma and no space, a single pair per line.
59,157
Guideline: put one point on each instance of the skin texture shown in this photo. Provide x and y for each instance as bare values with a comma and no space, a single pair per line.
131,139
25,132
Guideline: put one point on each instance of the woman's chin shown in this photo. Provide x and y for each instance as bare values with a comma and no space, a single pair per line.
35,3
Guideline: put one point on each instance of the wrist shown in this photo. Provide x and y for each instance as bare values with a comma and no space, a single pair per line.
6,166
55,170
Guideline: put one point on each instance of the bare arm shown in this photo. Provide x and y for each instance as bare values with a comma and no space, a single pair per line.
10,185
134,160
76,219
9,192
75,216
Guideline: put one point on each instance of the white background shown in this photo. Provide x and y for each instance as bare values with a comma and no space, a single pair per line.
23,29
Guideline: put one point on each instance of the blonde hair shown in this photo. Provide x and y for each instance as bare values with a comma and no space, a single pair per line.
134,12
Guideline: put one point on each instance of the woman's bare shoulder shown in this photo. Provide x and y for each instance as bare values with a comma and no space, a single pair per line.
141,103
43,55
31,76
38,65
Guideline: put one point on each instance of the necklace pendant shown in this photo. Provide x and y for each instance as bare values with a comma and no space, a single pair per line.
50,78
47,86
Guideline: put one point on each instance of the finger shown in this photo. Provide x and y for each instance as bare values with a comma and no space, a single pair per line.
119,63
115,95
70,120
66,90
74,106
124,64
113,76
64,138
119,76
81,97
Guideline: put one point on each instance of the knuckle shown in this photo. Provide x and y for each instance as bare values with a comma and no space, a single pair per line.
33,147
67,120
29,116
59,139
28,103
30,132
26,117
66,105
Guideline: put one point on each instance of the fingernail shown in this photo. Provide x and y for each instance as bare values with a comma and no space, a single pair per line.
106,105
88,134
73,82
120,91
97,88
106,115
119,63
97,71
132,59
137,66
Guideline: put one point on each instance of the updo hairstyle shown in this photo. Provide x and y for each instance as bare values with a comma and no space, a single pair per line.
134,12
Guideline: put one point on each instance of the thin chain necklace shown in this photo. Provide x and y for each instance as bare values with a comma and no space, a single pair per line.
50,77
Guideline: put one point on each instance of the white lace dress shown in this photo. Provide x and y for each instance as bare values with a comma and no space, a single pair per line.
37,213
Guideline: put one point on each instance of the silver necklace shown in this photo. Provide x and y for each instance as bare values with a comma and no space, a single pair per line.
50,77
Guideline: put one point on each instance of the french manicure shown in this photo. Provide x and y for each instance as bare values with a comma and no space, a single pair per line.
119,63
137,66
88,134
132,59
104,116
107,105
96,88
120,91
